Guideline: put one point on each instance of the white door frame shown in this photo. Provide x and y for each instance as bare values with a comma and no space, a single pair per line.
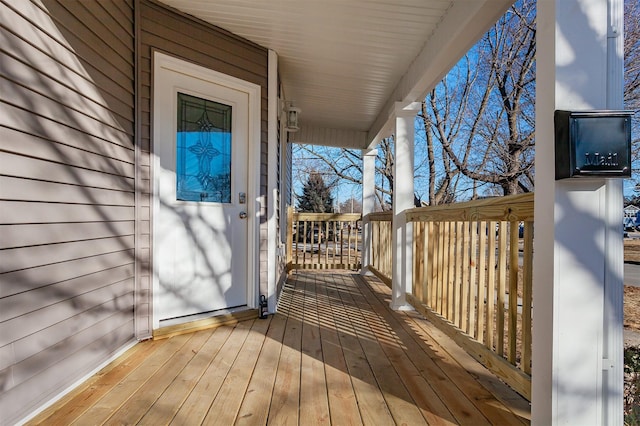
163,63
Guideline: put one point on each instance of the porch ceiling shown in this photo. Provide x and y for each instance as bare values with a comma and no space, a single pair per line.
346,63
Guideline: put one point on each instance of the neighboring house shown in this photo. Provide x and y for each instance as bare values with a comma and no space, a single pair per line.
144,155
630,217
631,211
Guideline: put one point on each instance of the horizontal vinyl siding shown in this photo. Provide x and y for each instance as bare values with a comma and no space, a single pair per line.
91,354
67,201
77,65
202,43
174,33
42,277
59,141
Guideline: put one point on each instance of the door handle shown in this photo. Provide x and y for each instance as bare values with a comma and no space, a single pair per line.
243,215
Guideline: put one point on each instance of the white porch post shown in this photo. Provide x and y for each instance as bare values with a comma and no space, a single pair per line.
402,256
368,203
577,288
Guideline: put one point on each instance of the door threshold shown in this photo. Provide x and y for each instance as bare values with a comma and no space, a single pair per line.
229,318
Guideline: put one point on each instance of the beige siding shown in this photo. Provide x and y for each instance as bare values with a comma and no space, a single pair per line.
174,33
67,224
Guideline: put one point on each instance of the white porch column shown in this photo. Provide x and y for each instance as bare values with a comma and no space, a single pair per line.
368,203
577,343
402,271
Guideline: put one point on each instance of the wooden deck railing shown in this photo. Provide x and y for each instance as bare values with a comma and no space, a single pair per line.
381,249
473,275
324,240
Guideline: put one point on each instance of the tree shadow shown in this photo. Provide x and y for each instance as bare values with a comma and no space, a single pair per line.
394,352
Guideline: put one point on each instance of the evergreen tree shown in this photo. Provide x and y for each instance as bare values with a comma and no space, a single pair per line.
316,196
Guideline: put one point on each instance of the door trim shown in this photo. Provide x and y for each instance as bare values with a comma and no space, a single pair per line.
163,63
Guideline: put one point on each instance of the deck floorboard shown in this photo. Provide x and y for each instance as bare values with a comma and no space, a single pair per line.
335,353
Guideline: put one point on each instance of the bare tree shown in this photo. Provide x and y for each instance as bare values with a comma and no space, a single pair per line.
632,53
482,113
351,205
632,68
442,182
345,166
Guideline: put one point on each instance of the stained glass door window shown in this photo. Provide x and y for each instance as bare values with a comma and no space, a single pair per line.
203,145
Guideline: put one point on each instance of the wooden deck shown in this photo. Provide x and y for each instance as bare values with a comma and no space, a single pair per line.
333,354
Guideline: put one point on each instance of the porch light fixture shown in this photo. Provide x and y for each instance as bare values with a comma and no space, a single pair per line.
292,116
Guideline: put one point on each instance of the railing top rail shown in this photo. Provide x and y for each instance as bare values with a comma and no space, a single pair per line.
327,217
380,216
510,208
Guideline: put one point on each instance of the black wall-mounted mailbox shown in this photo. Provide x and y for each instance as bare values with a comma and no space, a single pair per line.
593,143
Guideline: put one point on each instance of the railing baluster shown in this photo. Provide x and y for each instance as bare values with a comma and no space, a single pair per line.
426,245
456,283
491,285
465,306
297,242
326,243
473,279
446,270
375,247
440,267
289,248
513,291
418,263
502,279
337,248
527,275
387,249
431,260
481,249
304,244
349,231
449,271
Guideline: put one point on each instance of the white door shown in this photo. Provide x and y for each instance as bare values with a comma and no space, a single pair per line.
201,130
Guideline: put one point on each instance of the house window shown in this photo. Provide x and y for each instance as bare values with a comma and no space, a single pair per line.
203,150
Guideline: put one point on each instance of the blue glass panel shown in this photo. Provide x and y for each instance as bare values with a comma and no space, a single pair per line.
203,157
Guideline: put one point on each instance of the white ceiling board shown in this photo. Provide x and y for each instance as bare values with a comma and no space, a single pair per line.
344,62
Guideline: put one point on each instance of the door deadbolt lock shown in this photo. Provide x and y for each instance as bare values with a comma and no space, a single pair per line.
242,198
243,215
